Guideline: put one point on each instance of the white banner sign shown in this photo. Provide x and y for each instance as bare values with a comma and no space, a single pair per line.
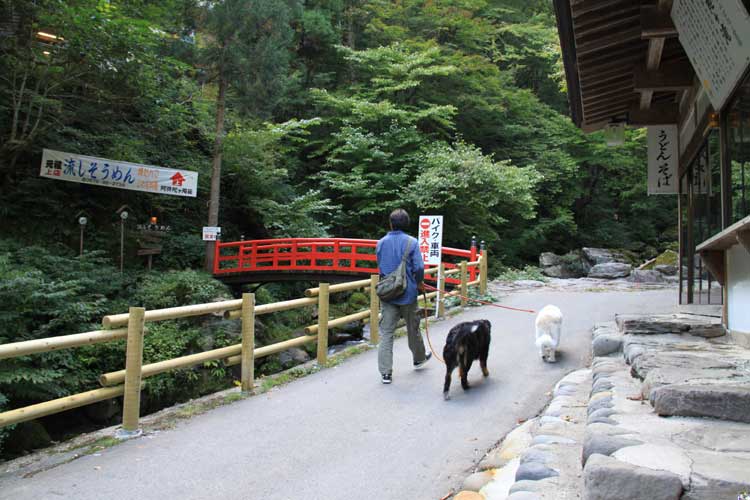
662,159
431,238
716,37
211,233
118,174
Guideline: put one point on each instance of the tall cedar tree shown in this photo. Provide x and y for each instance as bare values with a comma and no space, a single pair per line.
246,52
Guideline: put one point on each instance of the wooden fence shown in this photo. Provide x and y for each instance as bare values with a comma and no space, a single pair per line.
131,326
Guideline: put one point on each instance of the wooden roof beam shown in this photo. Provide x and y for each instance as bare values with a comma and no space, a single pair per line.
594,84
675,77
608,94
606,42
607,21
655,47
608,106
656,23
606,116
615,58
608,111
581,7
664,114
596,19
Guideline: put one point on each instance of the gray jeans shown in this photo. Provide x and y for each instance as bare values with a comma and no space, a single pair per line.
391,314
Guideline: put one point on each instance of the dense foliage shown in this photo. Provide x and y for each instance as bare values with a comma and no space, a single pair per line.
336,111
314,117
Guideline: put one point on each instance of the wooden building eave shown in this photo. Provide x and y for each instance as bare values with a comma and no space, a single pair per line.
623,62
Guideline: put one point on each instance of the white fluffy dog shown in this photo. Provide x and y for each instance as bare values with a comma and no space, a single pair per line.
548,330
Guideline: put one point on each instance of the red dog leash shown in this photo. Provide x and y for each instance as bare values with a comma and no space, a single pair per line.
432,288
426,318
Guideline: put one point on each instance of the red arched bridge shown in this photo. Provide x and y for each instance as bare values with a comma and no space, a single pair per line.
313,259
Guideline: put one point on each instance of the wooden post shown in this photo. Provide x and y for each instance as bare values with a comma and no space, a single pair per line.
323,324
690,250
248,342
374,310
441,295
464,283
133,361
483,271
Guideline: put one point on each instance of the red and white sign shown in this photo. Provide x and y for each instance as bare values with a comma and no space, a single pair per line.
211,233
430,238
118,174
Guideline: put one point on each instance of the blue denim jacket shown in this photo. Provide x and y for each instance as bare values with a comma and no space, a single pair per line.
389,250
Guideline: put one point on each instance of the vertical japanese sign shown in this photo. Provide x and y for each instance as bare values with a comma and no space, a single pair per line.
431,238
701,176
662,159
118,174
716,37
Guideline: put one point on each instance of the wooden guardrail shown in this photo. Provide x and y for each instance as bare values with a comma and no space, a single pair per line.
131,327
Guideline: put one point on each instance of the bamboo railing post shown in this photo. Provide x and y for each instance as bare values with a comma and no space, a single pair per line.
441,294
133,362
374,310
483,271
323,324
464,283
248,342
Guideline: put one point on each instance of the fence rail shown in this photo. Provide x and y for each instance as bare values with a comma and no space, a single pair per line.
128,382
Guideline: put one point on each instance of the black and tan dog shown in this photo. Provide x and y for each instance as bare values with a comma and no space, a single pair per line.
466,342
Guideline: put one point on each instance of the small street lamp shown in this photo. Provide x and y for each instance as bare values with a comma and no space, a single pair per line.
82,222
123,218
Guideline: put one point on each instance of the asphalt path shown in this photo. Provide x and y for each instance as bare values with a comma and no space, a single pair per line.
340,433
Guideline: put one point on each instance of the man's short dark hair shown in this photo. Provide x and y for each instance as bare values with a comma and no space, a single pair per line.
399,220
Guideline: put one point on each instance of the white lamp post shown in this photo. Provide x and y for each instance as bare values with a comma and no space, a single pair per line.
82,222
123,218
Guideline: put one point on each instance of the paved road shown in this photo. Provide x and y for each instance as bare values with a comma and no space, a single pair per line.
340,434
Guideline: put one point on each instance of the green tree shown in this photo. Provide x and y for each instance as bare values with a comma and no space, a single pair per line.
478,196
246,51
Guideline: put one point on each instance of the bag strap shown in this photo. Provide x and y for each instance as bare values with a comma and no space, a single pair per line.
406,253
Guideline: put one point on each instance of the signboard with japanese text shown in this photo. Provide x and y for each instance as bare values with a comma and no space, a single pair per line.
662,159
701,176
118,174
211,233
431,238
716,37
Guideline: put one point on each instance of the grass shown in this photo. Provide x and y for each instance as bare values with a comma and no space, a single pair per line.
527,273
98,445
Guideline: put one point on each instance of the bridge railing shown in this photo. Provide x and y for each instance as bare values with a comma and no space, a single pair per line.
131,326
344,255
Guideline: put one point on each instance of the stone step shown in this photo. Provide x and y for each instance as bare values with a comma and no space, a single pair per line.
698,325
631,452
724,401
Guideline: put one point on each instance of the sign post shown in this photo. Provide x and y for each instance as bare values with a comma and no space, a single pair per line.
430,240
211,233
662,159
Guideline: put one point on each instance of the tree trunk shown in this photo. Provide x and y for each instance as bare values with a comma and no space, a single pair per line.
350,40
213,202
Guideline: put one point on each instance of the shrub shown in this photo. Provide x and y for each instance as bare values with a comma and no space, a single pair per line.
177,288
527,273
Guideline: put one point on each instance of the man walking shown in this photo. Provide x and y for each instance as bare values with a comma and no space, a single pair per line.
390,250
